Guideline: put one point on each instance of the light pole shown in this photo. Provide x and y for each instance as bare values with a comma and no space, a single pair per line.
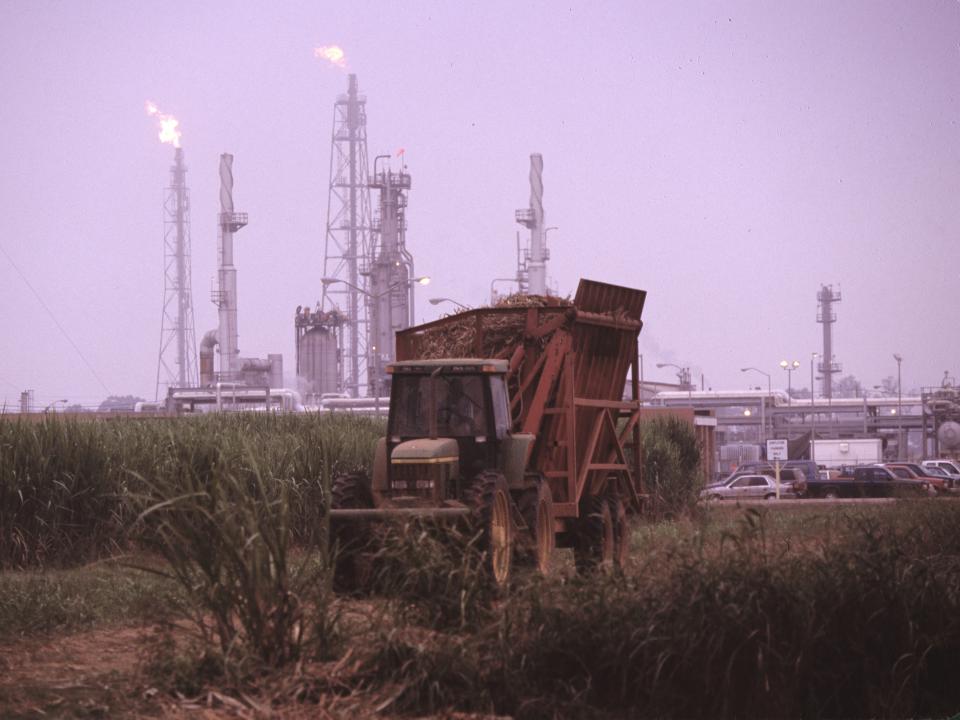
424,280
789,367
683,375
52,406
438,300
494,295
763,403
900,453
813,415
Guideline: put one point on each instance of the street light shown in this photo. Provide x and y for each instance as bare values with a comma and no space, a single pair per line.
438,300
813,415
763,403
423,280
683,375
53,404
896,356
789,367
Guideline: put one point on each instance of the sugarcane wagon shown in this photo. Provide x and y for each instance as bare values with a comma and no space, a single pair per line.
515,417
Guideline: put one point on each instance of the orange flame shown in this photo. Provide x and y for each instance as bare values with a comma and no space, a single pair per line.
332,53
169,125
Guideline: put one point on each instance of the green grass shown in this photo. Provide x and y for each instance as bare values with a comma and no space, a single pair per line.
33,602
65,485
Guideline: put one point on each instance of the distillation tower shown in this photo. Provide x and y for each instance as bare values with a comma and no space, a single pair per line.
391,291
347,245
827,316
177,359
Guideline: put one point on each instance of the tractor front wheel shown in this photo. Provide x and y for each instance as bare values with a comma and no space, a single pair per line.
491,504
351,491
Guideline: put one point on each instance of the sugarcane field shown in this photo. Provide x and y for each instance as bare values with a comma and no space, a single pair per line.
510,360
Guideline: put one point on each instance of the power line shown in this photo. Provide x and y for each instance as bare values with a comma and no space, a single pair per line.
55,321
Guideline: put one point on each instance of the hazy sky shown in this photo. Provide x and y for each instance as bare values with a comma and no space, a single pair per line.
726,157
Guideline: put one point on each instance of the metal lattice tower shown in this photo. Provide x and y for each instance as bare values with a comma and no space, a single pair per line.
826,315
177,361
347,247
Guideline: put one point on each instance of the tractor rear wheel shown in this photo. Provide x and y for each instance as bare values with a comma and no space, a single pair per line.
490,498
351,491
595,543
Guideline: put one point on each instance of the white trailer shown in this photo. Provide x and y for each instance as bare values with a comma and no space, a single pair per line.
835,453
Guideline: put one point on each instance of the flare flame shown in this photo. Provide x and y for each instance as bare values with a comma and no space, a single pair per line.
333,54
169,126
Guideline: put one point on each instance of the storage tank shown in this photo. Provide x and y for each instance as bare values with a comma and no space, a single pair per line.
948,436
317,361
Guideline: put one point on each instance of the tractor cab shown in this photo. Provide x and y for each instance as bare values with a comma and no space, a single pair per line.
449,421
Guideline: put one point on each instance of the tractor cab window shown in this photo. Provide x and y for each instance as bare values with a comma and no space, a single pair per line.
501,407
409,400
456,402
460,405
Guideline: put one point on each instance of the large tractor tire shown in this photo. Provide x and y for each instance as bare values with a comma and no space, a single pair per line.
490,498
595,542
536,508
349,537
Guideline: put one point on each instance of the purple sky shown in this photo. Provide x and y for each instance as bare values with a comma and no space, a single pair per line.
726,157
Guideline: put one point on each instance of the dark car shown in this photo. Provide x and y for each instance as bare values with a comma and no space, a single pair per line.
868,481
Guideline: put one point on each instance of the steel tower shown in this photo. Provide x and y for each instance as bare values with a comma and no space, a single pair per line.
347,246
177,361
826,315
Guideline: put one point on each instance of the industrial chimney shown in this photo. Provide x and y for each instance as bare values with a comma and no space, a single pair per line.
225,296
532,218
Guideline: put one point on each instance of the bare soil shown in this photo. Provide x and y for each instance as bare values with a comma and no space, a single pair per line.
98,674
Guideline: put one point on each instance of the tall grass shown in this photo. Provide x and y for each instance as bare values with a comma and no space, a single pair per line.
670,467
65,485
867,626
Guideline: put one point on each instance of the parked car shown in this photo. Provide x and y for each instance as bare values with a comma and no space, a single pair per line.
807,467
950,467
794,475
868,481
918,472
748,487
938,473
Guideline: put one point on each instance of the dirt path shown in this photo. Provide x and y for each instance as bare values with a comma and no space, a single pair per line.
90,674
96,674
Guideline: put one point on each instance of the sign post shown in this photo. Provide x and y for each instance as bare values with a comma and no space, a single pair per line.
777,451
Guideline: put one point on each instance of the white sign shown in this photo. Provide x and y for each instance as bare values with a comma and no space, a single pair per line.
776,450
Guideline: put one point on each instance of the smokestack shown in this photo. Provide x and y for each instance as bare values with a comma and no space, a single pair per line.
226,298
538,254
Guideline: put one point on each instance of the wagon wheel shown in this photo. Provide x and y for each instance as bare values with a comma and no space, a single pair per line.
490,497
536,508
595,543
351,491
